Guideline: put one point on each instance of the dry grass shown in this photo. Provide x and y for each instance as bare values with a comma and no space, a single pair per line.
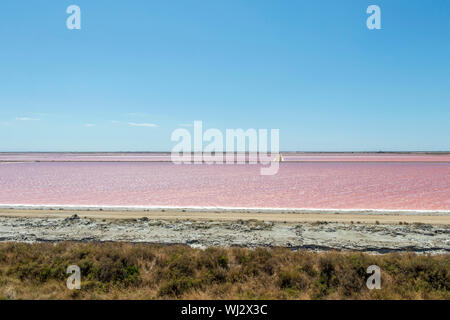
142,271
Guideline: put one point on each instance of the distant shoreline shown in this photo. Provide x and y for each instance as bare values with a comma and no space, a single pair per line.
220,209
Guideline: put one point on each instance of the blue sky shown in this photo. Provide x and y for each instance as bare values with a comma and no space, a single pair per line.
137,70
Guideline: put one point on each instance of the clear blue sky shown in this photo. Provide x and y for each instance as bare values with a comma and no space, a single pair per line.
309,68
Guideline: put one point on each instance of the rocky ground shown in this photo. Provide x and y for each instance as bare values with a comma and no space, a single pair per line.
376,238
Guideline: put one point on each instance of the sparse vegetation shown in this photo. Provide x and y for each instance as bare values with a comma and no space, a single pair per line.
142,271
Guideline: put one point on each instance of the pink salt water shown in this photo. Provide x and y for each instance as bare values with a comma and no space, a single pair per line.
303,181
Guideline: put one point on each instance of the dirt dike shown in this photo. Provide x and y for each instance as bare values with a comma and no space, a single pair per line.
322,235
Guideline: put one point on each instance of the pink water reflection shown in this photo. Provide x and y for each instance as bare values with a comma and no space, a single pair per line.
343,185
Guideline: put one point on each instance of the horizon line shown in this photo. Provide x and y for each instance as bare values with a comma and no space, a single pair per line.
297,151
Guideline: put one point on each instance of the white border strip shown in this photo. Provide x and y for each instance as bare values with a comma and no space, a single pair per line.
363,211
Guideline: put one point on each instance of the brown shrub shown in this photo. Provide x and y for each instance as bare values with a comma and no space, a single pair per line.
32,271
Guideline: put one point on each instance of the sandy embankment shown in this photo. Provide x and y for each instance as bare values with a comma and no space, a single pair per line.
369,231
343,216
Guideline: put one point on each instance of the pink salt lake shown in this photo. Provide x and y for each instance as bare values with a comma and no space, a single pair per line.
339,181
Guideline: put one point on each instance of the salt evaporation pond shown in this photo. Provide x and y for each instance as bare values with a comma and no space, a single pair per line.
341,182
